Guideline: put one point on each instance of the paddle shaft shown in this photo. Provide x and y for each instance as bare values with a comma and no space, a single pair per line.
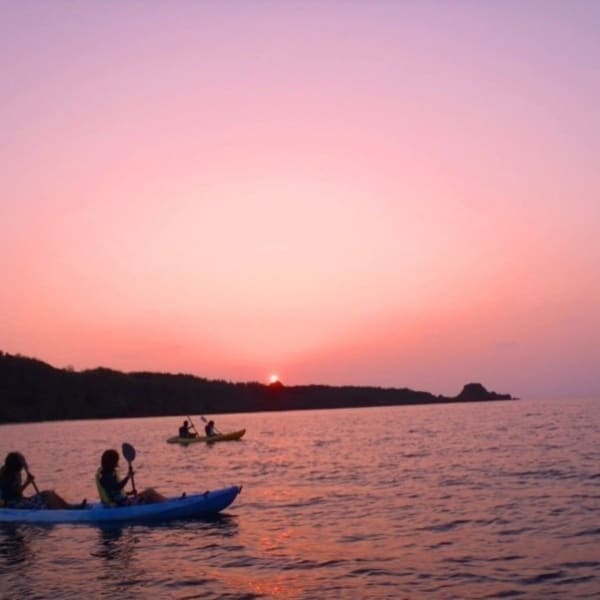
205,420
129,454
192,424
132,479
29,475
35,487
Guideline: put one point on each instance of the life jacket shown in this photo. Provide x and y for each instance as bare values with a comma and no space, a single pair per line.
105,497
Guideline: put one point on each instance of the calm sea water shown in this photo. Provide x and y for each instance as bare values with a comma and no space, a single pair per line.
450,501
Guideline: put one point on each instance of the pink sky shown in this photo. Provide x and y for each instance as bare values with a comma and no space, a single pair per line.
393,193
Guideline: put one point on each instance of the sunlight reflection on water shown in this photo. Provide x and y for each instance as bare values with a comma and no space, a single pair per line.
446,501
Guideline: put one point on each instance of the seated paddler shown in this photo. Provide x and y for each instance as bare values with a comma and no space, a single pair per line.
12,487
210,429
184,431
111,487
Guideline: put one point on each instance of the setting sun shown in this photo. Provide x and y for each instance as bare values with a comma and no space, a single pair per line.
273,378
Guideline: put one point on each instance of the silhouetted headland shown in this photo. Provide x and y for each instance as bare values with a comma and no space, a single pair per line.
31,390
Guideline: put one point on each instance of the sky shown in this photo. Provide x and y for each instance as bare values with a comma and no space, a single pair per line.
398,194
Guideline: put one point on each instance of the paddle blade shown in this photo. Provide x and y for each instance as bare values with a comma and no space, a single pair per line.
128,452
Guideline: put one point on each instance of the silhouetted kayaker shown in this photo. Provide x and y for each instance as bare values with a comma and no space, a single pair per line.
12,487
184,431
110,486
209,429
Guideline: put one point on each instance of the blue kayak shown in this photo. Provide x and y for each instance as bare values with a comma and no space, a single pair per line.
184,507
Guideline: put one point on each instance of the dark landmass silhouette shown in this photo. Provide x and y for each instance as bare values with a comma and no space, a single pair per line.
32,390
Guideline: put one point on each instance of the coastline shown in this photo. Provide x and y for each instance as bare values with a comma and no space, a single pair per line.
34,391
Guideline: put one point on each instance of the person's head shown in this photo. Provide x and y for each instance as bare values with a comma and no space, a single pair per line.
185,423
14,462
110,460
211,422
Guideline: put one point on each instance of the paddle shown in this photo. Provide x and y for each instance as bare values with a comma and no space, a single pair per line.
24,462
214,428
192,424
129,454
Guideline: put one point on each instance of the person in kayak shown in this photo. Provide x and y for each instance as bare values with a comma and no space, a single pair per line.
184,431
209,429
12,487
111,487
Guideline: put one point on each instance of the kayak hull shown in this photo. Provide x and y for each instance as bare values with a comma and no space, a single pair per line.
221,437
195,505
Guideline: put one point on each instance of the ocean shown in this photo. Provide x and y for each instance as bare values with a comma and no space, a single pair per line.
478,500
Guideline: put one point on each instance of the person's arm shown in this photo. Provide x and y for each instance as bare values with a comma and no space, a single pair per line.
111,484
29,479
121,484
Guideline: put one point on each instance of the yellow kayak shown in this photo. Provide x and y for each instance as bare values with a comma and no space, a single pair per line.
220,437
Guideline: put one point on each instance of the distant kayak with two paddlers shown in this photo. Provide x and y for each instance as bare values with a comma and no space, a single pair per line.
217,437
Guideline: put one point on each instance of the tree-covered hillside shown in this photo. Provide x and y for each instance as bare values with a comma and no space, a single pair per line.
31,390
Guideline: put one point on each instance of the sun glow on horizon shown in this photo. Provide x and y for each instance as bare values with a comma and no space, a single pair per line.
340,207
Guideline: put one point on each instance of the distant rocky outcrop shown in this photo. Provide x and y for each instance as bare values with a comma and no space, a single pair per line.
475,392
31,390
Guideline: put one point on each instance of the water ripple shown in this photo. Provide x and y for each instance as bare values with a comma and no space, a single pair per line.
443,527
495,500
